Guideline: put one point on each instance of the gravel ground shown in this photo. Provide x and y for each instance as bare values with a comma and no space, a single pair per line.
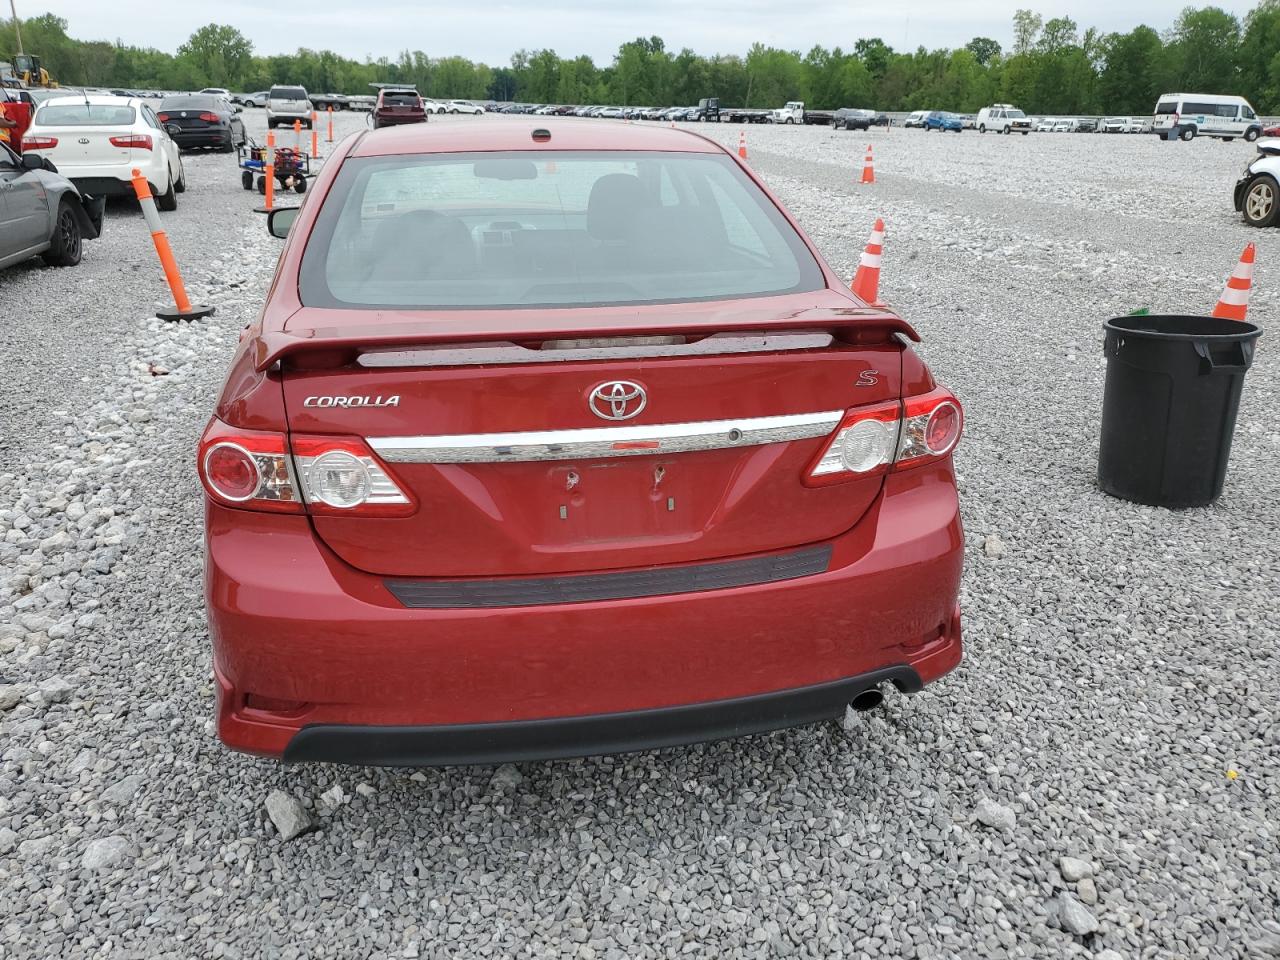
1099,778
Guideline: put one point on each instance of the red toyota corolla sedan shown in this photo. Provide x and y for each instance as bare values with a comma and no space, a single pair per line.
559,438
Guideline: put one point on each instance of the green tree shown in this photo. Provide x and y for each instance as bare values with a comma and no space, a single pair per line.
984,49
1026,25
217,54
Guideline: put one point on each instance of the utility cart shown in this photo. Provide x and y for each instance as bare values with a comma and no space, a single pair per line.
291,167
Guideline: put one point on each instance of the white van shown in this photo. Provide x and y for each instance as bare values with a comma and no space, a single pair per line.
1003,118
1189,115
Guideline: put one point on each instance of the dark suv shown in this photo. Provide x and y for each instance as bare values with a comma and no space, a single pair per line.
397,106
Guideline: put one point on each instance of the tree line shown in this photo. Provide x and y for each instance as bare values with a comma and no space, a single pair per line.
1051,67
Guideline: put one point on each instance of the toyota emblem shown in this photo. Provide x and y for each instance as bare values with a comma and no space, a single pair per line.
617,400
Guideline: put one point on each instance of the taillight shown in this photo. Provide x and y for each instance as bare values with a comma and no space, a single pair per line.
135,141
334,476
874,439
39,143
209,117
931,428
340,476
863,445
247,468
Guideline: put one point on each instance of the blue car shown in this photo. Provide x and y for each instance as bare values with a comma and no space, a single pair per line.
937,120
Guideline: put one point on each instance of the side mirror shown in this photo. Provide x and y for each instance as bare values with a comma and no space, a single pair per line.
172,129
238,109
32,161
280,220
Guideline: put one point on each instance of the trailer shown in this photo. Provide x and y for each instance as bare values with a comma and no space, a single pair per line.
709,110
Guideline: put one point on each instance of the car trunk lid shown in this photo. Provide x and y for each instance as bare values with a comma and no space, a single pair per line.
551,454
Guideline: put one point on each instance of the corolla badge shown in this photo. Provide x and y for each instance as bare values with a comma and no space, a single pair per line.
379,401
617,400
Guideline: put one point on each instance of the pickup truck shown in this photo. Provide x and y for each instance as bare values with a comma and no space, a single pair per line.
709,110
794,112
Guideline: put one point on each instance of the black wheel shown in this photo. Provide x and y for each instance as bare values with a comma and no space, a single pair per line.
1261,202
246,179
271,124
1251,134
299,184
262,185
181,185
64,249
1188,133
982,128
168,201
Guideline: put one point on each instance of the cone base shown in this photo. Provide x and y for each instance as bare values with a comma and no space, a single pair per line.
264,209
173,314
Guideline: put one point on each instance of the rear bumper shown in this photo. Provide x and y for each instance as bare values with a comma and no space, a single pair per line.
102,186
317,661
203,138
519,740
392,120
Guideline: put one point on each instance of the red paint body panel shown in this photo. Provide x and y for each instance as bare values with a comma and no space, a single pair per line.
494,519
291,621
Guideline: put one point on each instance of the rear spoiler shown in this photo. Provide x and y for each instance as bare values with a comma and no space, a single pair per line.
856,325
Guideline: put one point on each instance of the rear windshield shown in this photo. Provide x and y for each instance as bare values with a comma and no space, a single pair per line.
84,115
288,93
191,103
400,99
1165,108
548,229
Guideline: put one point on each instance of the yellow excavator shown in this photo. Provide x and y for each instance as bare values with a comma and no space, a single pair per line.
31,73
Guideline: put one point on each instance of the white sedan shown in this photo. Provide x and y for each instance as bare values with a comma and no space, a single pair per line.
96,142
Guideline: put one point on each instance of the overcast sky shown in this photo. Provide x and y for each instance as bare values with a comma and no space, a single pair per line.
489,32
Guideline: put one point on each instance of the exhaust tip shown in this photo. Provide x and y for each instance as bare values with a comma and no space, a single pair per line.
867,700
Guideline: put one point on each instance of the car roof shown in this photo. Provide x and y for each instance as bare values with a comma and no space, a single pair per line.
515,132
95,99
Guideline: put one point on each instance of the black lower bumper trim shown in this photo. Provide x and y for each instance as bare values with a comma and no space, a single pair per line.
561,737
628,584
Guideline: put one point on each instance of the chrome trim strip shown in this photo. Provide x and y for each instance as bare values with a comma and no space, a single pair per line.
605,348
631,441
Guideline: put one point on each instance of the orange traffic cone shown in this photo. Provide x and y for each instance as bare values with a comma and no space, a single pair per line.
742,144
866,282
868,171
1234,302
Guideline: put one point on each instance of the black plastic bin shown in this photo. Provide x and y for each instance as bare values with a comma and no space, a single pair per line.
1169,408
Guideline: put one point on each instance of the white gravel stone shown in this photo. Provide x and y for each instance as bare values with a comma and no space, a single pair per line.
106,852
1073,869
123,790
287,813
1075,917
993,546
506,777
56,690
12,694
993,815
1087,891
